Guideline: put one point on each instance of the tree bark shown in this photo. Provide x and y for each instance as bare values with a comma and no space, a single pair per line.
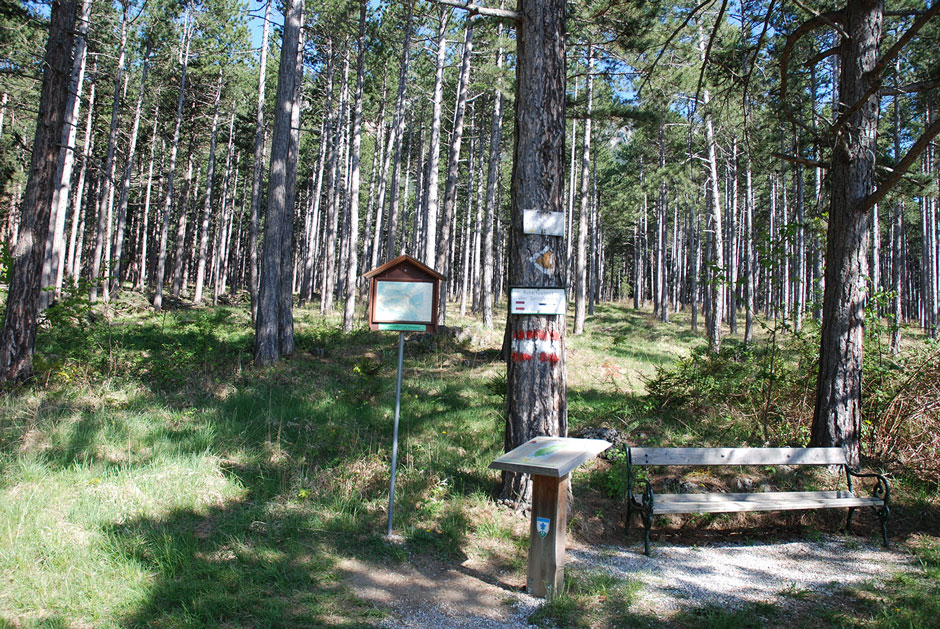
444,265
352,266
257,173
160,274
269,335
837,419
54,261
144,231
580,274
492,192
536,379
18,335
126,179
74,259
398,126
106,188
207,202
432,198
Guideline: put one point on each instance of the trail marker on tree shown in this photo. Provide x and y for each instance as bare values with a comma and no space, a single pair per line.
403,296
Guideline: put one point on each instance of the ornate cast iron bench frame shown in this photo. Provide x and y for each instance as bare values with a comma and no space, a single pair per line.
640,496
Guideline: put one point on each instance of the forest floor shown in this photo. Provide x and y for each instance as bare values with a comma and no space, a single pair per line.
149,476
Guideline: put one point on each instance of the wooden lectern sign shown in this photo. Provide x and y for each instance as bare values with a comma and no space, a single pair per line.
403,296
549,460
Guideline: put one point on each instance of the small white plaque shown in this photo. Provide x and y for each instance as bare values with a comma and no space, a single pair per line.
542,301
544,223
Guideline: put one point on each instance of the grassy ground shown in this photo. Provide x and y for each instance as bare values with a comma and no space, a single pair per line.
151,477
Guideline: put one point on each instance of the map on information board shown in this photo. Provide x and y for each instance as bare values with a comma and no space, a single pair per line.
404,301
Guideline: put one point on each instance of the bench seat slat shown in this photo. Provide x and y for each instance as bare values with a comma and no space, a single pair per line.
769,501
737,456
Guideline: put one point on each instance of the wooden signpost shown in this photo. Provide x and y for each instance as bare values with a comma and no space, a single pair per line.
549,460
403,296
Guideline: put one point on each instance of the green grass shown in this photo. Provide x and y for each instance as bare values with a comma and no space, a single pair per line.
589,599
150,476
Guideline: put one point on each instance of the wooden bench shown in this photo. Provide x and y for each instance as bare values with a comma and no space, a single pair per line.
640,496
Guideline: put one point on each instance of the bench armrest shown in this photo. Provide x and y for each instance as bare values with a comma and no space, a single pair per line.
880,490
645,502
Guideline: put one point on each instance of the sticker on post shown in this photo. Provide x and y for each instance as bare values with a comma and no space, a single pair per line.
542,525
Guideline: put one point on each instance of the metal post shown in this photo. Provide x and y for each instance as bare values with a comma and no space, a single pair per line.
391,490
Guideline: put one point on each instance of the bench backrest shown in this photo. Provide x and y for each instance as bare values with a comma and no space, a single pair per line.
737,456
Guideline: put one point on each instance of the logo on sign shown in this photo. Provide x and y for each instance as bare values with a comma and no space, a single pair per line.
542,525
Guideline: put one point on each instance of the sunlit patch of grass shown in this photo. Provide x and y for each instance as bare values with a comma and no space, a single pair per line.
590,598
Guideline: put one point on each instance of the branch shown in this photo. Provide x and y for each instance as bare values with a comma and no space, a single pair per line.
750,71
476,9
793,159
823,55
662,50
910,88
817,21
708,49
902,41
874,76
901,168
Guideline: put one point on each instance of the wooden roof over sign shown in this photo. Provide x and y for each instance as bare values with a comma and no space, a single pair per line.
404,261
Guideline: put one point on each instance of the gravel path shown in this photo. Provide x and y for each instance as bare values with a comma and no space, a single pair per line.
675,578
732,575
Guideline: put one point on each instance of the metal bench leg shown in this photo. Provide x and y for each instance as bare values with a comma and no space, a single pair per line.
647,525
848,520
883,514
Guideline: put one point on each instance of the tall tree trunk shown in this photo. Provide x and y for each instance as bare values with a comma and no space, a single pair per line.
492,191
337,181
224,225
352,266
536,388
207,201
160,274
257,173
126,180
190,192
18,335
53,266
580,274
660,297
269,335
398,126
750,263
837,419
444,265
716,312
432,198
142,259
73,262
106,188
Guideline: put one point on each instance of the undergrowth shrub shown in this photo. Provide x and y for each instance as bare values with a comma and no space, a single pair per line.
770,387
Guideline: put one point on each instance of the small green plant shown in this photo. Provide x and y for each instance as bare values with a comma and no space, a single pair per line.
587,597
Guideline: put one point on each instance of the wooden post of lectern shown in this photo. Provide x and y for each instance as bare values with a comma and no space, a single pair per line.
546,573
550,460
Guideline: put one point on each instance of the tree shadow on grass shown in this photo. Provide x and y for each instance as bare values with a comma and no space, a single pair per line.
240,565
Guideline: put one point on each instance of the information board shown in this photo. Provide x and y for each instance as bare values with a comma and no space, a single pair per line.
543,301
397,301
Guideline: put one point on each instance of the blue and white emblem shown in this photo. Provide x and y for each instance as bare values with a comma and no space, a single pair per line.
542,525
